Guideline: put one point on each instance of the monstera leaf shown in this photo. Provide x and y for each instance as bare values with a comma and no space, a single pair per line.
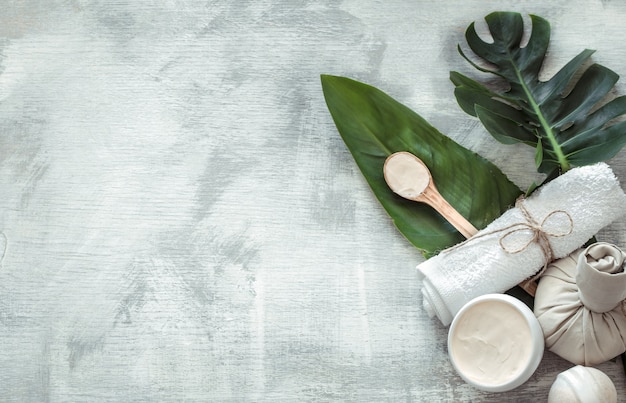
560,117
373,125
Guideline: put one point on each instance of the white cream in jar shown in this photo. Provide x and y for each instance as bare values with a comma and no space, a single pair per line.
495,343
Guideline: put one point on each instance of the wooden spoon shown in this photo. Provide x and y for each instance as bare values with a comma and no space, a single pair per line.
408,177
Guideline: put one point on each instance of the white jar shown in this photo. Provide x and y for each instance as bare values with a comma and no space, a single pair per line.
495,343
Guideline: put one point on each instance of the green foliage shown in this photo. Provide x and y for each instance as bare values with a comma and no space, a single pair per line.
560,117
373,125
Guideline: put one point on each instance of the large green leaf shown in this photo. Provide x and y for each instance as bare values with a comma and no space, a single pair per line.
373,125
560,117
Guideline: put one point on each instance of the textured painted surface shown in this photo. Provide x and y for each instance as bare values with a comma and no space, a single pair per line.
183,221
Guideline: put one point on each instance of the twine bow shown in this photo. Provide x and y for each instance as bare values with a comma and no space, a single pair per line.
540,232
539,229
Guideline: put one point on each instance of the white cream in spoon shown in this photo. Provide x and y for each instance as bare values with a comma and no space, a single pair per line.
406,176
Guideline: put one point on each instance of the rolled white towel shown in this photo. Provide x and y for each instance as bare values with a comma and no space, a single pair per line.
569,211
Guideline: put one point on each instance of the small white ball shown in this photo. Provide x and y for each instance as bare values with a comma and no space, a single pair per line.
583,385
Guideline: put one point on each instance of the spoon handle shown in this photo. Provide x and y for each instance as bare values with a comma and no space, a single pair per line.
435,200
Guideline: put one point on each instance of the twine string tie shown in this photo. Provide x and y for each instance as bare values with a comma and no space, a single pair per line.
541,231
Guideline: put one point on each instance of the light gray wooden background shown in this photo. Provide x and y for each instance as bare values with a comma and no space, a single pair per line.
184,222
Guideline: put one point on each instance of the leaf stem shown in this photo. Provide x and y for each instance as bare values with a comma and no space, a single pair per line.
558,151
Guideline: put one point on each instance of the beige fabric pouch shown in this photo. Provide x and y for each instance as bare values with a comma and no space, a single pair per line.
579,305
